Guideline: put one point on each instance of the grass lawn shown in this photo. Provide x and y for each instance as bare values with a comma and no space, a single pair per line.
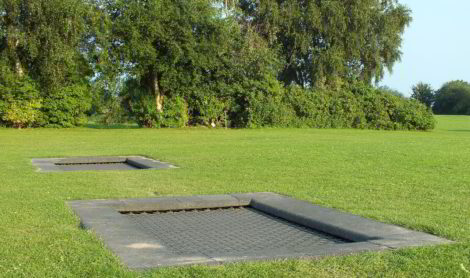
420,180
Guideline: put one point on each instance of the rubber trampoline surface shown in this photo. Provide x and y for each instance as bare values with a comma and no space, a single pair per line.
230,230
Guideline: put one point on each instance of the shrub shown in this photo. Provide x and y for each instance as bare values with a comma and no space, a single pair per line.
361,107
325,109
20,101
66,107
112,112
386,111
175,113
414,115
142,107
257,103
207,110
271,111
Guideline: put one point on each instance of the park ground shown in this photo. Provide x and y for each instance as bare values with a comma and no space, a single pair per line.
420,180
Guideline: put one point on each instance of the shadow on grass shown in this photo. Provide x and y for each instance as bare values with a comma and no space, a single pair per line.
112,126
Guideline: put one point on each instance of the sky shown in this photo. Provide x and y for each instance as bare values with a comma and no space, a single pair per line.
436,46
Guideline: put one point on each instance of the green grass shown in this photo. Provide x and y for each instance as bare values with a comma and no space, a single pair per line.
420,180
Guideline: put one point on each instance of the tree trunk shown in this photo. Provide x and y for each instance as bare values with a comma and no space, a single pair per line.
18,67
159,97
229,4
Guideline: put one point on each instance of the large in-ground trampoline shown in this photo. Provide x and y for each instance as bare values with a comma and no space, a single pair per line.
155,232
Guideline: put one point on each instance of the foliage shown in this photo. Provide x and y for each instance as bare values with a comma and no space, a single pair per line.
424,93
113,113
207,110
176,112
142,107
107,103
42,39
391,91
268,110
328,43
139,104
251,79
66,107
209,60
231,72
364,107
386,111
20,101
174,48
321,108
453,98
217,63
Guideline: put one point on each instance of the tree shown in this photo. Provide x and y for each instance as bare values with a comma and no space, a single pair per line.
183,49
174,62
453,98
41,40
327,43
164,44
423,93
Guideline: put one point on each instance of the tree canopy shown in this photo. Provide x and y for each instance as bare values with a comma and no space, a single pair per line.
453,98
327,43
165,44
41,40
183,49
424,93
170,63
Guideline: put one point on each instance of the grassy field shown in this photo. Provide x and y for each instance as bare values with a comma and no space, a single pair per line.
419,180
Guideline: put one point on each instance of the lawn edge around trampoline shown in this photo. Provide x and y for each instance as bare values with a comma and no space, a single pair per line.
139,250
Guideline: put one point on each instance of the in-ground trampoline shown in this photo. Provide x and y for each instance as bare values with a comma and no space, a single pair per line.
98,163
147,233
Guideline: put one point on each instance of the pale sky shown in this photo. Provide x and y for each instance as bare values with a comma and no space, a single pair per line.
436,46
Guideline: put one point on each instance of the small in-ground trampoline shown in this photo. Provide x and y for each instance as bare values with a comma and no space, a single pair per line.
147,233
98,163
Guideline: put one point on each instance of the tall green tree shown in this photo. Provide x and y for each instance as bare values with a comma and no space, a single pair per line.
327,43
42,40
453,98
423,93
166,45
183,49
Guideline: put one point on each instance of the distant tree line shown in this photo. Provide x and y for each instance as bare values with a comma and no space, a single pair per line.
173,63
453,98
